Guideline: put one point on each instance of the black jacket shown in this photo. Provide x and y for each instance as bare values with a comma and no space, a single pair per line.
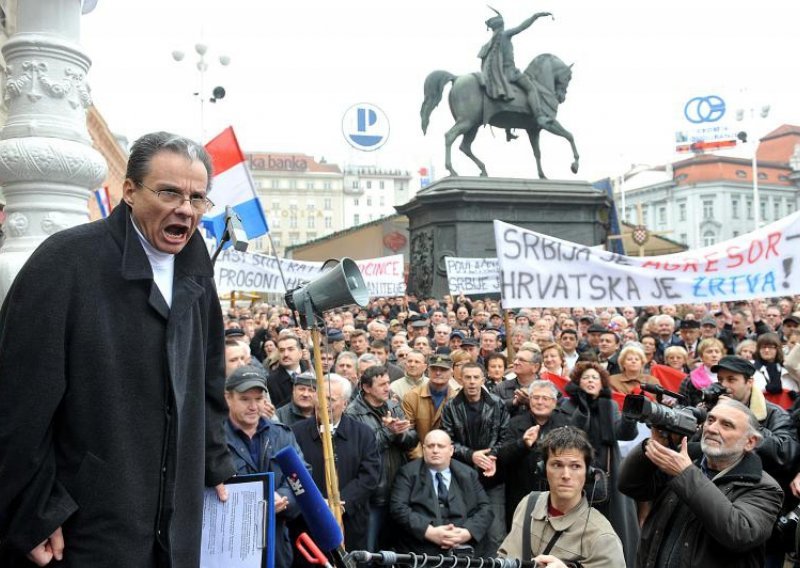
391,447
357,464
492,433
414,505
729,518
519,462
112,427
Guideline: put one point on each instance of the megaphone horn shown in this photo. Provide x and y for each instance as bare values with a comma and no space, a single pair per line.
342,285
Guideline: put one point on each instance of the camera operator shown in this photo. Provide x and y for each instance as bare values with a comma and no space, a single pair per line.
559,528
715,511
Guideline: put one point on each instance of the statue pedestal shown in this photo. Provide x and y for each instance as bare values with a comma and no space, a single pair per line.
453,217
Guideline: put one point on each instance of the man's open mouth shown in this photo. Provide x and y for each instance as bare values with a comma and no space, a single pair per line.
176,231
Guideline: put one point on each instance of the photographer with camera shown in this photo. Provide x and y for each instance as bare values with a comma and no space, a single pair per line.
718,510
559,528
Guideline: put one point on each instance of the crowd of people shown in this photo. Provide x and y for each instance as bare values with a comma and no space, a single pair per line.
447,415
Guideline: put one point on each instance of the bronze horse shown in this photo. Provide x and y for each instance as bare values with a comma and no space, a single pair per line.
471,108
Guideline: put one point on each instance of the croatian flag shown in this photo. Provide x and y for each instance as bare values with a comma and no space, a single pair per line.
232,186
103,200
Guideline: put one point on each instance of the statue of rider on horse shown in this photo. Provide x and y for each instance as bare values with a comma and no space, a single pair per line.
508,98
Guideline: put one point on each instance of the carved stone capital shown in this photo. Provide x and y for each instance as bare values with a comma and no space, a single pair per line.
50,160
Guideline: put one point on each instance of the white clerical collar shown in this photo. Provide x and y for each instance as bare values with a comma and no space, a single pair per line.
154,255
161,263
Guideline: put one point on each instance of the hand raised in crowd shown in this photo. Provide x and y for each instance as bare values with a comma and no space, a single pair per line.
395,425
485,462
520,398
549,561
531,435
281,503
267,409
795,485
46,551
667,460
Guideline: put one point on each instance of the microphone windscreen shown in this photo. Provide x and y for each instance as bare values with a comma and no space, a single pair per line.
321,523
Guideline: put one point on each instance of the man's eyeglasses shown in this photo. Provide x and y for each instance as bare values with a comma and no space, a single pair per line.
174,198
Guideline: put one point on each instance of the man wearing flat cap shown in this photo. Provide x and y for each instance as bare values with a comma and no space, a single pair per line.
423,405
689,331
304,395
253,441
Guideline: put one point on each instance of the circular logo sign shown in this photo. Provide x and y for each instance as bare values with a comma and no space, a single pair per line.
365,127
704,109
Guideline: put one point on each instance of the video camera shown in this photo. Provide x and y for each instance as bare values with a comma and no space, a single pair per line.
681,420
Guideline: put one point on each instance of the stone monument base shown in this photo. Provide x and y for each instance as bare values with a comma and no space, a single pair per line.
453,217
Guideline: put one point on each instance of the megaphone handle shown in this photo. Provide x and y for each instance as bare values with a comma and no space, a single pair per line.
313,554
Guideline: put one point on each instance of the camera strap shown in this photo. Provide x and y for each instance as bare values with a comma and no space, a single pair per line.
533,496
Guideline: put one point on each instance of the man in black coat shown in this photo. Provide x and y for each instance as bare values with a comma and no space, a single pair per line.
110,430
357,461
280,381
519,456
437,502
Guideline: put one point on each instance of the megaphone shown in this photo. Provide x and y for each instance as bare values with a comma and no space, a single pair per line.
342,285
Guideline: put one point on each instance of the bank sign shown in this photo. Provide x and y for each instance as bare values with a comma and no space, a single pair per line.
365,127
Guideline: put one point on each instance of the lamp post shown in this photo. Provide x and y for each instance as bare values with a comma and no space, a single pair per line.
202,66
743,136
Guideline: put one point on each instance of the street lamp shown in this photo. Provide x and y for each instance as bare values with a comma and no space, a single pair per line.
217,92
743,135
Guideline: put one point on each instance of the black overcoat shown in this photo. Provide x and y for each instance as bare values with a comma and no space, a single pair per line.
358,467
111,403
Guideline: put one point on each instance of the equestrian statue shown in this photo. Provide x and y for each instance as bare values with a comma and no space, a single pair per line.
503,96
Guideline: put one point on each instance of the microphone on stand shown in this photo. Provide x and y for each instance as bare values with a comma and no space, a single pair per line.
234,230
322,525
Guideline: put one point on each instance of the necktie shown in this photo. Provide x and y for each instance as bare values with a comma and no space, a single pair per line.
441,488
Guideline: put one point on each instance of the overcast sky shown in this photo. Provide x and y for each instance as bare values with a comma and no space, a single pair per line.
297,66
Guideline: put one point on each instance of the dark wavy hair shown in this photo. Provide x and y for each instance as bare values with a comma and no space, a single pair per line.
565,438
582,366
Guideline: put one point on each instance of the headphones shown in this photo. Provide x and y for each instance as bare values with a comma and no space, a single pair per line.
592,472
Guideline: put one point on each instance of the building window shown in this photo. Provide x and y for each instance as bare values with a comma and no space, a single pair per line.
292,184
327,185
762,175
709,239
789,207
311,236
294,238
644,216
355,184
369,202
293,206
275,222
310,223
708,209
369,184
276,240
355,201
309,185
356,219
327,204
275,184
328,222
735,234
763,209
749,206
382,201
292,222
735,207
682,211
662,215
777,205
382,184
741,173
683,238
311,205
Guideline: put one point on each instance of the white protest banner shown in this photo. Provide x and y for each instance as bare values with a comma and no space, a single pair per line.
543,271
253,272
472,275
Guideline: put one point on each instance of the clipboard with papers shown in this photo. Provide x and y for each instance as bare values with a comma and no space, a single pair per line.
240,533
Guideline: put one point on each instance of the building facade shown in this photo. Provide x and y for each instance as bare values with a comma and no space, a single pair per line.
708,198
302,198
371,193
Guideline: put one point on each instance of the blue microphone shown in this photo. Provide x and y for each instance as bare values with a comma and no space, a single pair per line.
321,523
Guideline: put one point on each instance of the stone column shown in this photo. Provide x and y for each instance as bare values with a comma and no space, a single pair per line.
47,164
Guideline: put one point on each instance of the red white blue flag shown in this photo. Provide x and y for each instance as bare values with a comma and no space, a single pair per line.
103,201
